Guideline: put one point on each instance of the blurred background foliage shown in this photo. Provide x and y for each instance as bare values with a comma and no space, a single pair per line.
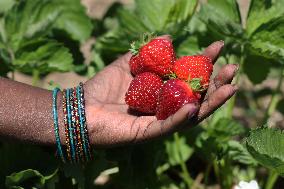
241,141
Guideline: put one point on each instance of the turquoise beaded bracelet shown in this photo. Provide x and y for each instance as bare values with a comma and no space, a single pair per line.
56,128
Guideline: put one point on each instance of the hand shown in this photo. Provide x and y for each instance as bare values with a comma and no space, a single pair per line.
110,123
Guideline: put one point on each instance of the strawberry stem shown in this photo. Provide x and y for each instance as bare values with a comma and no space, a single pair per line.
144,39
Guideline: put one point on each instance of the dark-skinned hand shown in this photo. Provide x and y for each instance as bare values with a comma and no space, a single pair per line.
110,122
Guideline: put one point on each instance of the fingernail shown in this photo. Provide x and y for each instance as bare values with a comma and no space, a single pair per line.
193,111
222,42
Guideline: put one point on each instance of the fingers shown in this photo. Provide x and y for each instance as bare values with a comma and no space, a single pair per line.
215,100
145,128
213,51
154,129
225,76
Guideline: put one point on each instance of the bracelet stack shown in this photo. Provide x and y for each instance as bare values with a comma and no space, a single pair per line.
77,140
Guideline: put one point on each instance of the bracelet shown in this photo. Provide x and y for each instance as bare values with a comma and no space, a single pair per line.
84,131
70,127
56,128
84,124
78,148
65,120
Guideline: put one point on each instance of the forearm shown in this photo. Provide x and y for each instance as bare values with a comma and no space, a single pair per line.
26,113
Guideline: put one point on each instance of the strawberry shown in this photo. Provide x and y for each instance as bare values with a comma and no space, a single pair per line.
143,92
156,56
197,66
135,65
174,94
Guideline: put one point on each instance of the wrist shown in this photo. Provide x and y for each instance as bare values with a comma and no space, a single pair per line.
60,118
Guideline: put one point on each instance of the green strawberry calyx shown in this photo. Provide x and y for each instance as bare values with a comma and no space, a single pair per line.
195,85
144,39
171,75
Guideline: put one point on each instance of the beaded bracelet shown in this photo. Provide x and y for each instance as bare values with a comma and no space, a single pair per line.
79,146
56,128
70,127
83,123
66,126
77,140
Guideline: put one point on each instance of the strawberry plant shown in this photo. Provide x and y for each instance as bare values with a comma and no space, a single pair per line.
236,143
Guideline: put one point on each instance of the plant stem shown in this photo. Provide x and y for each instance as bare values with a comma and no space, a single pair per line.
207,172
226,173
185,173
231,103
274,99
216,170
272,178
35,77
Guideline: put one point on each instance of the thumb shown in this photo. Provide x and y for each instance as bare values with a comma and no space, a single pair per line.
183,115
170,125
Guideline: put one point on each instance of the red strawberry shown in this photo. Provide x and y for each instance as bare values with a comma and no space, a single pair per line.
135,65
143,92
174,94
190,67
157,56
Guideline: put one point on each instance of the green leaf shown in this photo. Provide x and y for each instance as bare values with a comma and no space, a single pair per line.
28,179
6,5
256,68
261,12
44,56
174,155
32,157
29,175
99,63
131,23
161,16
189,46
154,13
74,21
29,19
239,153
158,16
225,128
110,45
222,17
268,40
228,8
266,145
182,11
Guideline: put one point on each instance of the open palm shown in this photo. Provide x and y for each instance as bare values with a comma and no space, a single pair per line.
111,123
